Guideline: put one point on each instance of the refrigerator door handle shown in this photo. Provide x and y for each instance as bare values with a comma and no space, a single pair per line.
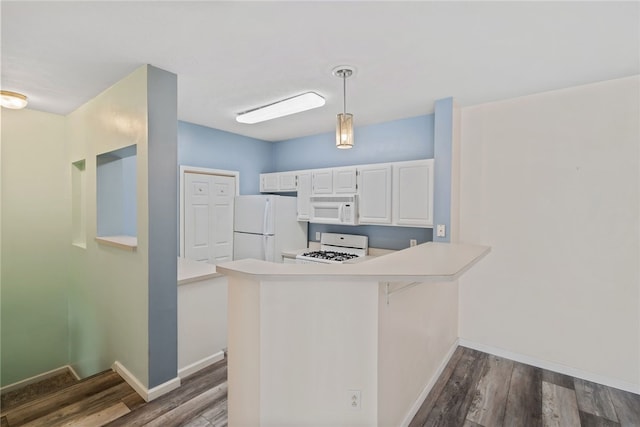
264,247
265,217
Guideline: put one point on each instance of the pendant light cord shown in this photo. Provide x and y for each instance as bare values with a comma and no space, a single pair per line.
344,92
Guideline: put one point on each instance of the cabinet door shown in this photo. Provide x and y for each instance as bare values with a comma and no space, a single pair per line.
413,193
344,180
287,181
322,181
374,194
268,182
304,192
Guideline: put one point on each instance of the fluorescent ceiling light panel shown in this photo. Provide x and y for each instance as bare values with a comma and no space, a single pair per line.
296,104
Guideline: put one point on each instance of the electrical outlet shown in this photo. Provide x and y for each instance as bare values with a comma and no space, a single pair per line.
413,242
355,399
441,230
318,236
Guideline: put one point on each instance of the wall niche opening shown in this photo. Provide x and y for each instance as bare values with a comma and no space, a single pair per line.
116,208
78,204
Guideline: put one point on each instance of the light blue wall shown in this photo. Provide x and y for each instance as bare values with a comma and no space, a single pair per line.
379,236
212,148
109,196
162,98
443,143
116,193
398,140
129,200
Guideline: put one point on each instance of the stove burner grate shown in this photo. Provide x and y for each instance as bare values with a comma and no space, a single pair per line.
330,255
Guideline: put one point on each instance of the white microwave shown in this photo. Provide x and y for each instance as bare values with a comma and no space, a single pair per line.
334,209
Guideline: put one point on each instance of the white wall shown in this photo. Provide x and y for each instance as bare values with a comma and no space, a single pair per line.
296,348
202,323
417,331
319,340
36,237
551,183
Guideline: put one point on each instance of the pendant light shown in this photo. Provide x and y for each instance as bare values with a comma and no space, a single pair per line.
13,100
344,128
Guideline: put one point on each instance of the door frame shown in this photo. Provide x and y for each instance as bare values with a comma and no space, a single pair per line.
204,171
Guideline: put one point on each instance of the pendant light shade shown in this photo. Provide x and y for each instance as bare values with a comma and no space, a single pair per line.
13,100
344,131
344,127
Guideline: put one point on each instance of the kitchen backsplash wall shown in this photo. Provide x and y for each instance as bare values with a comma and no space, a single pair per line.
379,236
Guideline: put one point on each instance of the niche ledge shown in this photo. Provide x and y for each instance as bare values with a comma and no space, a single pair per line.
129,243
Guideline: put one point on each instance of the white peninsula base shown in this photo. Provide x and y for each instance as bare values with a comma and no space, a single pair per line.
302,346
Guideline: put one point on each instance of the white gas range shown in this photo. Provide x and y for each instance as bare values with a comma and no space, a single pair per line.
336,248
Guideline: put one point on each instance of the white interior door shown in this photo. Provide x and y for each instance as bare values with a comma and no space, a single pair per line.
208,217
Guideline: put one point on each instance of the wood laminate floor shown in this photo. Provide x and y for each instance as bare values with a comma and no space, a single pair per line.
106,399
481,390
475,390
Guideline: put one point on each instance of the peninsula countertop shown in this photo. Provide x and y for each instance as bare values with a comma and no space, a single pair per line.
429,261
190,271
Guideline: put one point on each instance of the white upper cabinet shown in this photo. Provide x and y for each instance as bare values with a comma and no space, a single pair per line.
398,193
322,181
334,181
268,182
345,180
374,194
287,181
278,182
413,193
304,193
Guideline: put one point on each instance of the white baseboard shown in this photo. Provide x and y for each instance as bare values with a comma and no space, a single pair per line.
552,366
39,377
74,373
147,394
200,364
432,381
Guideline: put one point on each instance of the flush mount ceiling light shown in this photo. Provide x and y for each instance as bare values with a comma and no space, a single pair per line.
344,128
295,104
13,100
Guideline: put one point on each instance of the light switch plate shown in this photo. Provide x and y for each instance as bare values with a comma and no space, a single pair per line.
318,236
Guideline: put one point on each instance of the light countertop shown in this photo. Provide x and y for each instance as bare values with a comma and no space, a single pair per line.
194,271
292,253
426,262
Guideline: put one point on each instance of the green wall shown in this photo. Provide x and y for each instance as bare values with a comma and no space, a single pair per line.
35,244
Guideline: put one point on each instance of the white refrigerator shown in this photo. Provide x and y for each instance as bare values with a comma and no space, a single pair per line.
266,225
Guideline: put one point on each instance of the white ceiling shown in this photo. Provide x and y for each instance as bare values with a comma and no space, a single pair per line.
234,56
